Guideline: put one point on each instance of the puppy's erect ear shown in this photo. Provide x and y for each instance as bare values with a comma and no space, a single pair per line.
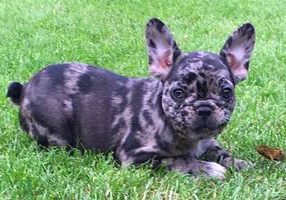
238,49
162,49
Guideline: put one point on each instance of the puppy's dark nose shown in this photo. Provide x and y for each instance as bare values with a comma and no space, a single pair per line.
204,111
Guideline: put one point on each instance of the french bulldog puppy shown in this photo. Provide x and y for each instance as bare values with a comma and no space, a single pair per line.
171,119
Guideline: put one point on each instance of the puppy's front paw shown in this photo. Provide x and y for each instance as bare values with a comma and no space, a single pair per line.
196,167
210,169
214,170
236,163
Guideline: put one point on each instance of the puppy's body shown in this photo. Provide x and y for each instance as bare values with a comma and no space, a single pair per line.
98,110
171,120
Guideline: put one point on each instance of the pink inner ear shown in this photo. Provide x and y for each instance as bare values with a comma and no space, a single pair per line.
162,64
165,60
237,66
232,61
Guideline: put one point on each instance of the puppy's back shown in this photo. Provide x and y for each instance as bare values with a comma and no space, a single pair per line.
70,104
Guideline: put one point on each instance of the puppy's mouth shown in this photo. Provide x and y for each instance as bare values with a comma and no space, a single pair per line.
208,129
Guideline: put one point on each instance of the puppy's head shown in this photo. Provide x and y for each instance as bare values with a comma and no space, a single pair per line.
198,96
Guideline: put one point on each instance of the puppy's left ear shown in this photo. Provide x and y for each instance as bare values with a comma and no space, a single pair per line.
162,48
238,49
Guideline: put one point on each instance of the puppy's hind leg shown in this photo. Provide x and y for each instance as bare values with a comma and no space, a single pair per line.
47,135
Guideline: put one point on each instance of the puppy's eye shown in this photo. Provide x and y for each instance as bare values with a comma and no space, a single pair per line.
178,93
226,93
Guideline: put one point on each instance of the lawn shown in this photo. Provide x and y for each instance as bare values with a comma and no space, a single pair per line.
111,34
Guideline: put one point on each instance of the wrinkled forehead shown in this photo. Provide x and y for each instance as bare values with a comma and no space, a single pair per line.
202,64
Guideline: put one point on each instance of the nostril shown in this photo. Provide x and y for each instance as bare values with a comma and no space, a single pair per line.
204,110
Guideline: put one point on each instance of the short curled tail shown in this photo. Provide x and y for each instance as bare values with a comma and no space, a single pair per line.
15,90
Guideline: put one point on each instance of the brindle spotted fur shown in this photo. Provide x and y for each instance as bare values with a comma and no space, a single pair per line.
171,119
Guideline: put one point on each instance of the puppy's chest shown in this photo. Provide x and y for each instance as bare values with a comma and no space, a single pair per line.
174,146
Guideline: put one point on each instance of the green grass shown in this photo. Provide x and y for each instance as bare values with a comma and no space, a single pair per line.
111,34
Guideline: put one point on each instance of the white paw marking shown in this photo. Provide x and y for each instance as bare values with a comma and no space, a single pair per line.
214,170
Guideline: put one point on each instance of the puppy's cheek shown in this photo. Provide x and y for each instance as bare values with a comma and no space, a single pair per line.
170,107
229,107
189,115
221,115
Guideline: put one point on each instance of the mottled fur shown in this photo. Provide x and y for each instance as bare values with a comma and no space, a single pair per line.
171,119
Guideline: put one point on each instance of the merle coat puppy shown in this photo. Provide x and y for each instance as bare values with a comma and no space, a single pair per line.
171,119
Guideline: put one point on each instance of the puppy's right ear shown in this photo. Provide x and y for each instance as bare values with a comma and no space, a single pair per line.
162,48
